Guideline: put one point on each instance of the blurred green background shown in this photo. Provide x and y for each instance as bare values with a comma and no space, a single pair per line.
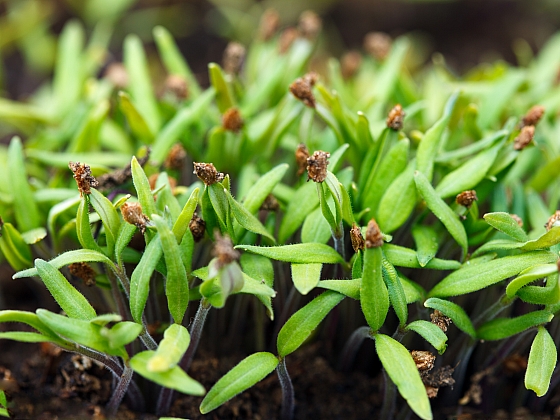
466,32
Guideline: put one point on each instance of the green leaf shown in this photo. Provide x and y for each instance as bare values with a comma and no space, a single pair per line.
469,279
374,297
121,334
392,164
140,279
31,319
70,300
542,361
506,224
260,269
177,283
426,241
301,324
142,186
177,126
453,311
34,235
529,275
83,227
173,59
246,219
350,288
402,370
135,120
171,349
25,208
70,257
109,217
306,276
550,238
174,378
400,256
542,295
398,201
263,187
124,237
441,210
182,223
431,333
14,248
395,289
224,95
500,328
26,337
315,228
497,98
412,290
68,73
220,204
80,331
303,202
244,375
468,175
140,85
429,145
297,253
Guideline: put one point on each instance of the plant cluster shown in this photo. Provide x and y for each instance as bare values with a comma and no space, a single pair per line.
422,197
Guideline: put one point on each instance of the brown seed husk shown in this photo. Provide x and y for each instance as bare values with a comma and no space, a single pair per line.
177,86
175,158
533,116
132,213
440,320
350,64
207,173
270,203
223,250
310,24
374,238
232,121
234,55
395,118
466,198
287,38
270,21
378,44
301,89
524,138
553,220
197,226
120,176
424,360
517,219
84,179
317,166
84,272
117,75
358,241
302,153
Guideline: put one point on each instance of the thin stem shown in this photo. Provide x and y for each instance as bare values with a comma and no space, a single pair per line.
493,310
164,401
113,365
117,295
389,399
196,332
288,401
351,348
119,392
147,339
338,237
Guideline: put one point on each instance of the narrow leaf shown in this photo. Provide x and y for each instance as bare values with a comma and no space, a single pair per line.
374,297
400,256
542,361
431,333
244,375
441,210
297,253
501,328
453,311
301,324
402,370
426,243
70,300
246,219
506,224
528,276
140,279
472,278
306,276
171,349
142,186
